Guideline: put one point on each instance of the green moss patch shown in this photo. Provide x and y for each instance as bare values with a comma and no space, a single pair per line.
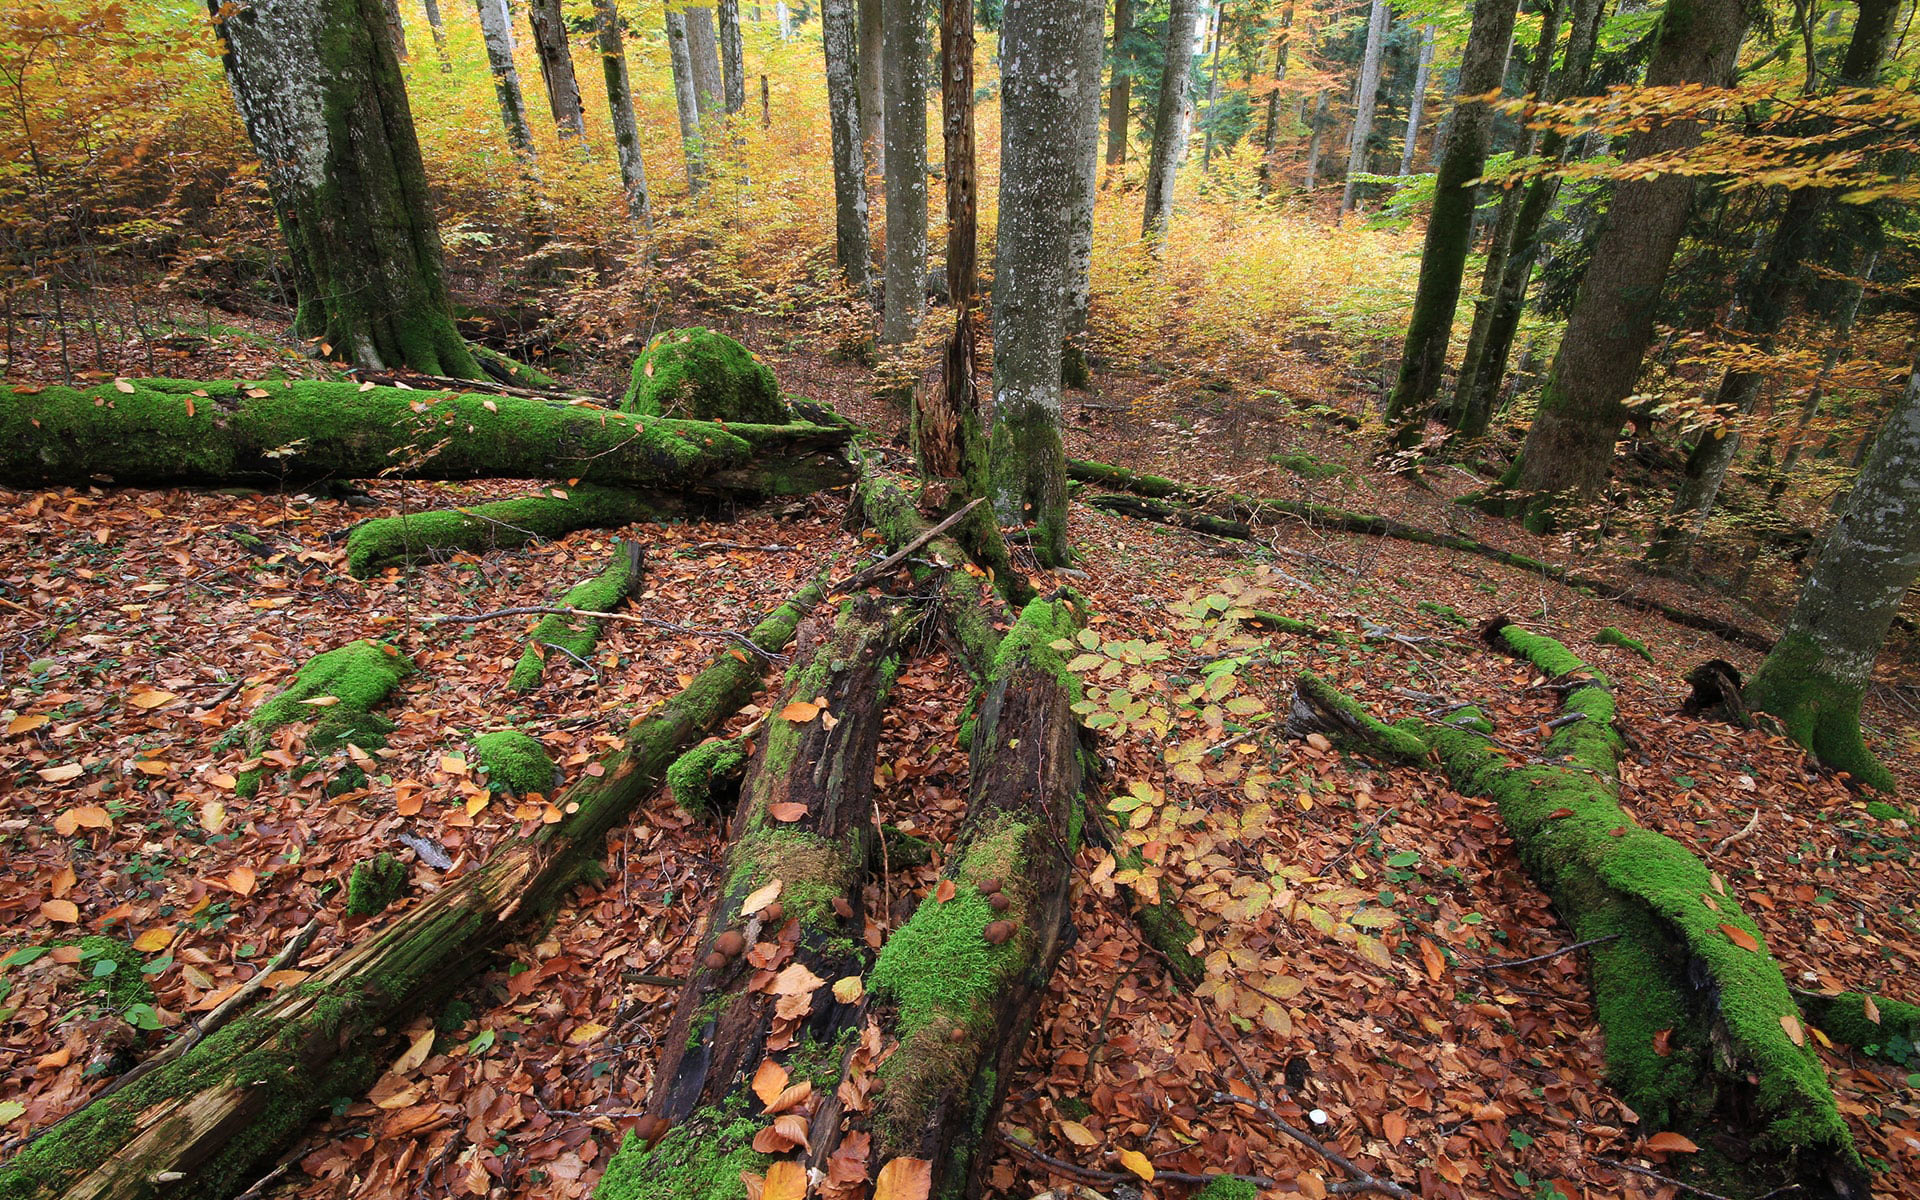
1612,636
515,762
576,635
374,884
702,375
699,1159
1818,711
707,778
1307,466
1892,1032
353,679
500,525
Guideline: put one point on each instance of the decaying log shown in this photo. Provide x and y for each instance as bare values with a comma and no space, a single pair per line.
197,1126
154,432
572,636
1701,1032
499,525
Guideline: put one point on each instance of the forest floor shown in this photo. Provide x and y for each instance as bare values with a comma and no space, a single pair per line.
137,631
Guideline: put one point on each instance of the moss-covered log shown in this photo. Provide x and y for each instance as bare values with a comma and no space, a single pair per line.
170,431
574,637
199,1125
499,525
1701,1031
1241,517
337,690
1876,1025
763,985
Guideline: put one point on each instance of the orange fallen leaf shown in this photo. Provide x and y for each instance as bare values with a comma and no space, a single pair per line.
151,699
1663,1042
1137,1162
788,1181
1434,960
786,810
904,1179
153,939
241,879
796,980
1791,1024
27,724
1740,937
65,911
800,712
61,773
769,1080
1671,1143
792,1097
944,892
1079,1134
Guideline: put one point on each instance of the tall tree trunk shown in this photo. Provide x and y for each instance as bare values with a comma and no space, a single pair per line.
1120,90
1316,140
1083,160
1765,311
1477,387
1815,676
849,167
703,48
956,125
1045,56
1213,86
320,93
1270,135
556,68
1423,356
1417,107
439,29
873,115
686,101
1583,405
1170,119
903,70
733,65
1364,99
496,30
396,29
626,131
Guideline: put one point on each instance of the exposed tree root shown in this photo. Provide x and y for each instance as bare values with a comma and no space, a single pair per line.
500,525
572,636
1701,1030
198,1125
169,431
1171,503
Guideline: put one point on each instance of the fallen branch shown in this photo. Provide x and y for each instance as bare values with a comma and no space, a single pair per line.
1549,956
621,579
879,570
501,525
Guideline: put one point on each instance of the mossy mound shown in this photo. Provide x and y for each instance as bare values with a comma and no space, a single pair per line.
1613,636
374,884
1306,465
706,779
698,374
1224,1188
335,689
700,1159
515,761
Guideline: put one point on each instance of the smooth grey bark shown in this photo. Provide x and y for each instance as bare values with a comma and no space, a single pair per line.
873,119
319,89
1120,89
1046,59
1316,140
1270,138
1816,675
626,131
497,32
686,101
733,65
903,71
703,49
1170,119
1213,85
1364,100
439,29
1417,107
1083,157
849,166
556,68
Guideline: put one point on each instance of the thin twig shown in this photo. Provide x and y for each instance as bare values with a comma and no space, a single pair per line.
1650,1173
862,577
1095,1175
1752,824
1504,963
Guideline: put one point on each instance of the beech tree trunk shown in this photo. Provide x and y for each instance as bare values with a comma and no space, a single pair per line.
1477,387
1814,678
1046,58
1423,355
733,65
396,29
703,48
207,1118
1569,450
686,101
626,131
849,166
496,30
1270,135
1083,162
320,92
1417,107
1367,95
903,60
556,68
1120,90
439,32
872,112
1316,140
1170,119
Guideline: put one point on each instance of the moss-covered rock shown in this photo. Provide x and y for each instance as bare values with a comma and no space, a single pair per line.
706,779
698,374
515,762
374,884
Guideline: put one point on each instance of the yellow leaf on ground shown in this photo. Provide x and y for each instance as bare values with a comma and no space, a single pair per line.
1079,1134
65,911
27,724
585,1032
153,939
1137,1162
849,990
151,699
786,1180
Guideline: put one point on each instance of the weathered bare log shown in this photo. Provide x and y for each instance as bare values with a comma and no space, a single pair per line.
169,431
199,1124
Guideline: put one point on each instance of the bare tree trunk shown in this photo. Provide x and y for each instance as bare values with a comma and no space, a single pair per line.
1083,157
1316,140
956,122
704,51
626,131
497,31
1046,58
1213,86
733,66
873,117
687,101
1417,107
556,67
903,61
1364,100
439,32
1170,119
849,168
396,29
1269,138
1119,94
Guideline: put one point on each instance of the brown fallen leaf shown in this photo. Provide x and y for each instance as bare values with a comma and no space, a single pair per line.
904,1179
1740,937
241,879
791,1097
1795,1033
800,712
1433,959
786,810
1671,1143
769,1080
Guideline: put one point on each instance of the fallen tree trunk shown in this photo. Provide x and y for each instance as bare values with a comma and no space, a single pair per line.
574,637
500,525
1877,1025
1171,503
786,921
155,432
198,1125
1701,1032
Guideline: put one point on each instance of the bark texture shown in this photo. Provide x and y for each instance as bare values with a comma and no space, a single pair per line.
1569,450
1170,119
703,50
1368,94
556,68
1083,164
872,112
956,124
496,30
320,92
903,72
733,64
686,98
849,164
1120,91
1814,679
626,131
1416,108
1316,140
1423,356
